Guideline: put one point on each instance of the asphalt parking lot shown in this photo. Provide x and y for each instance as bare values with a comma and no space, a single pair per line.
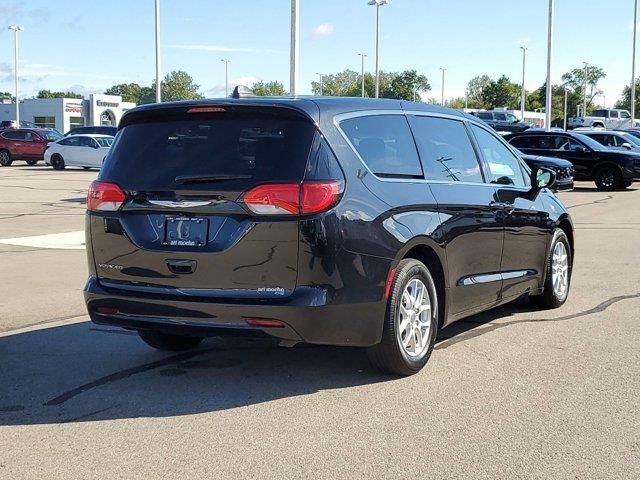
512,393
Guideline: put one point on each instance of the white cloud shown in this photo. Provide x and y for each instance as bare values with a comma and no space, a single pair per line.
323,30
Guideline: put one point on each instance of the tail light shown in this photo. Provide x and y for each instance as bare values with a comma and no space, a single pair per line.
305,198
105,197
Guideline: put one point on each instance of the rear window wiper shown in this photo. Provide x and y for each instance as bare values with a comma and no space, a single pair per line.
183,179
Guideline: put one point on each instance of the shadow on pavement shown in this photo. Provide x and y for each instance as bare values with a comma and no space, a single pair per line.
86,372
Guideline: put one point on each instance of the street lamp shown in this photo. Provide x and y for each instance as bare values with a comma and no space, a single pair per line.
226,76
158,83
294,54
16,29
547,110
584,97
523,97
633,64
320,75
443,70
378,4
362,56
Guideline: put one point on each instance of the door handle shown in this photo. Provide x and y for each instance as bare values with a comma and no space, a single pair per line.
507,208
497,206
181,267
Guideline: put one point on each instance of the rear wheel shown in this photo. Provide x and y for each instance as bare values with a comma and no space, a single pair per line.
167,341
411,321
608,178
31,162
558,276
627,184
5,158
57,162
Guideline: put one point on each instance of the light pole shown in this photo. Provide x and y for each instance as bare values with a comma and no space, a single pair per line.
362,57
294,58
523,97
378,4
16,29
226,76
443,70
584,97
633,64
547,110
565,107
158,83
320,75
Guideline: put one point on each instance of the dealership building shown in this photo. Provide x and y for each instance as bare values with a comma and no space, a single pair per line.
63,114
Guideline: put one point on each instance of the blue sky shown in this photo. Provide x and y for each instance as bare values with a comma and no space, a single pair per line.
90,45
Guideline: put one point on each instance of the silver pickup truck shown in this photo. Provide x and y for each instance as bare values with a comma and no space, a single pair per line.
604,118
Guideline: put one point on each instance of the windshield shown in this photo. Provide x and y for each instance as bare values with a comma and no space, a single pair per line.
104,141
632,139
51,135
511,118
590,142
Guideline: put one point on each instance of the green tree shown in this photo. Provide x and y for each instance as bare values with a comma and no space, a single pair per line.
6,96
268,89
625,101
397,85
50,94
130,92
574,98
474,91
575,79
501,93
178,85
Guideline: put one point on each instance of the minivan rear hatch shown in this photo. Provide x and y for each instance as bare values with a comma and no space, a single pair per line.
184,226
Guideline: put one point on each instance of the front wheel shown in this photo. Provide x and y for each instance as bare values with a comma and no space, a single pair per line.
5,158
558,275
608,178
57,162
167,341
411,321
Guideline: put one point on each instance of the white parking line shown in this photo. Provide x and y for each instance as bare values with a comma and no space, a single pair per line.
65,241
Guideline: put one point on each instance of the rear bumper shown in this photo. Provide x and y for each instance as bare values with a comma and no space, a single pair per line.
308,315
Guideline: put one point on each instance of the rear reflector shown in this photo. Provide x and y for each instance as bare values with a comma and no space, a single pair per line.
293,198
265,322
107,310
105,197
387,286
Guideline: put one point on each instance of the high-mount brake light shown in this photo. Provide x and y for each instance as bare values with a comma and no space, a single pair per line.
307,198
105,197
206,110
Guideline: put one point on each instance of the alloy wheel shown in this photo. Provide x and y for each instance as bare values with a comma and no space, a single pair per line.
560,270
414,314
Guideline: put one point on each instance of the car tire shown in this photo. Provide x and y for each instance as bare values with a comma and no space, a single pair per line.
557,280
57,162
31,163
608,178
627,184
5,158
404,350
169,342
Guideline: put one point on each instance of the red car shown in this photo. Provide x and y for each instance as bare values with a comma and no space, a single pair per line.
26,144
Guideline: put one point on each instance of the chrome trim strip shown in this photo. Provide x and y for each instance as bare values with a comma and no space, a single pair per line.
179,204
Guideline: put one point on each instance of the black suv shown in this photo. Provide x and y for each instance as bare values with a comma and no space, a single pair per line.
95,130
502,122
609,169
563,169
335,221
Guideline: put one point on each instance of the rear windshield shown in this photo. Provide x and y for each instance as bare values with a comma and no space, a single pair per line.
242,147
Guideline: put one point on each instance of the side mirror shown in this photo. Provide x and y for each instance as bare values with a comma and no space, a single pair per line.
627,146
542,178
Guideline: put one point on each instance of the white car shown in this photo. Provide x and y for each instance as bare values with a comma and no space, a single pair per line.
87,151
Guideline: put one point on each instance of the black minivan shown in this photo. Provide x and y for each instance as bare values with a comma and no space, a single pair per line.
337,221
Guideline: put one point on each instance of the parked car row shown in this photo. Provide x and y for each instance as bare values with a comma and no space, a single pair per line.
35,144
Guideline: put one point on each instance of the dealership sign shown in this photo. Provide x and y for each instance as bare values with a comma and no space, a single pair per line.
100,103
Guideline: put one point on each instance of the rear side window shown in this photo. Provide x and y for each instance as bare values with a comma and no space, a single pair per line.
16,135
445,150
524,142
385,144
485,116
241,146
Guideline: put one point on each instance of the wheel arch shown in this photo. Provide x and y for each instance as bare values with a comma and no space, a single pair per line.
566,226
432,255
